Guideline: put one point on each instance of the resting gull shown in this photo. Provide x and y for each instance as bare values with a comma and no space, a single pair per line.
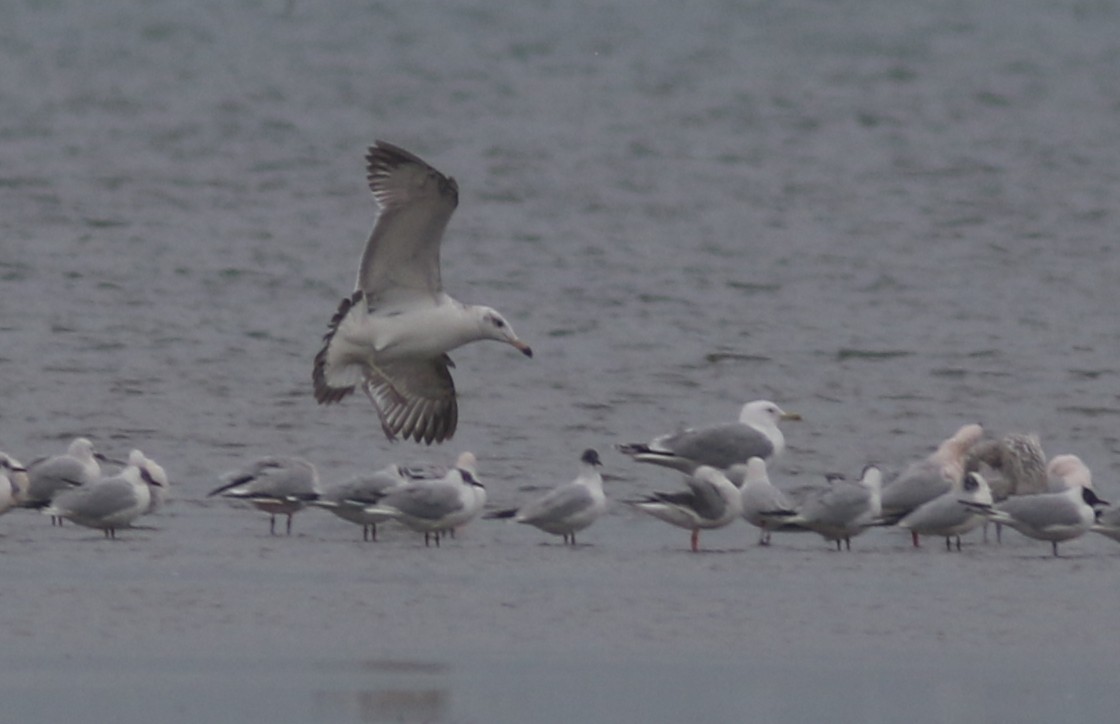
433,507
756,434
764,505
276,485
946,516
13,482
844,510
48,476
349,499
711,501
392,335
109,503
568,508
1053,517
924,480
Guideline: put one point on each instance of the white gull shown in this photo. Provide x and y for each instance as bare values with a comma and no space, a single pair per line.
946,516
434,507
711,501
276,485
392,335
566,509
764,505
1053,517
756,434
109,503
845,510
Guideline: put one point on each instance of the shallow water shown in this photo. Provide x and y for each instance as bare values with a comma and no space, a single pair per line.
891,218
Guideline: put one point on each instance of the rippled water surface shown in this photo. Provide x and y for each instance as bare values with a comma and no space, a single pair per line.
893,218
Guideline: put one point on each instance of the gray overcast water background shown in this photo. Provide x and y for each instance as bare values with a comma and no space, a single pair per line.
890,217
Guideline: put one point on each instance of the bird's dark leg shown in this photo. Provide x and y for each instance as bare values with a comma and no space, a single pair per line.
289,529
271,524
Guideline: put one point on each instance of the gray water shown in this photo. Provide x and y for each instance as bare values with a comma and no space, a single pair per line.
890,217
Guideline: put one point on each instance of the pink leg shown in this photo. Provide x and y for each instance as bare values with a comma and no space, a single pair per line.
695,541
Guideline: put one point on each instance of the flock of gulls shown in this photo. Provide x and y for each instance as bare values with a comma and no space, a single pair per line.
391,337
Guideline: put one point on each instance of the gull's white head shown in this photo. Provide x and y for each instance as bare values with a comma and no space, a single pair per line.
492,325
765,412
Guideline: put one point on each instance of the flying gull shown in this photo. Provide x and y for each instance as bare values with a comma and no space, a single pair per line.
392,335
756,434
568,508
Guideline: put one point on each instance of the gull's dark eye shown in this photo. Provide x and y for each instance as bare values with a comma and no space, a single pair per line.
499,323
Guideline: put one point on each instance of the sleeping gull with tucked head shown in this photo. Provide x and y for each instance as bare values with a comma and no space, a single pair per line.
276,485
755,435
392,335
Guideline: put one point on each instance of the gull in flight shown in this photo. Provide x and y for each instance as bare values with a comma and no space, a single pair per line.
392,335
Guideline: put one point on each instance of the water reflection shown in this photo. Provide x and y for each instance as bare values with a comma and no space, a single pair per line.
388,691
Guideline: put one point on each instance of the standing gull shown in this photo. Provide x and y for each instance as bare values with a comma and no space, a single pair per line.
711,501
49,476
350,499
756,434
764,505
433,507
568,508
276,485
392,335
845,510
924,480
1053,517
109,503
946,516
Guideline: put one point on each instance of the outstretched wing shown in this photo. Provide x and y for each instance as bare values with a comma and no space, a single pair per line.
401,258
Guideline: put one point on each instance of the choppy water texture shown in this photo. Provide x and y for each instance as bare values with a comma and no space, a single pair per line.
890,217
